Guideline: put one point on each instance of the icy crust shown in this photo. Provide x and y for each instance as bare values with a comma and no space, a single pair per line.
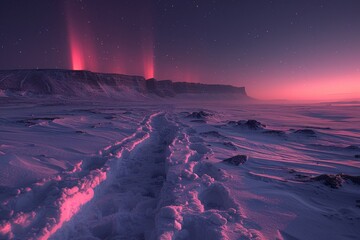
124,206
37,212
240,173
246,180
195,203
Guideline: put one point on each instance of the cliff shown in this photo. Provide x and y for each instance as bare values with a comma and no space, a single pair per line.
86,83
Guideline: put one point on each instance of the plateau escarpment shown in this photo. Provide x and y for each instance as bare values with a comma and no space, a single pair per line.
86,83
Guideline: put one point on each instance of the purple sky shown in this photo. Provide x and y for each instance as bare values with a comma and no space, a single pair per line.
286,49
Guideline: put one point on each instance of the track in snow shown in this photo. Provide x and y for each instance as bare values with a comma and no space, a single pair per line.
124,205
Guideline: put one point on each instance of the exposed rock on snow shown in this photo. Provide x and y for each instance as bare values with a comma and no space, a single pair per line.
336,181
230,145
253,124
236,160
198,121
250,124
275,132
306,132
34,121
199,115
354,179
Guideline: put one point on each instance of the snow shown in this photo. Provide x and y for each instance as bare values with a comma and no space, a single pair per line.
101,169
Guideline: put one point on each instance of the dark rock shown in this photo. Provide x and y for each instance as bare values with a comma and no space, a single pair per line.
230,145
236,160
250,124
275,132
33,121
44,118
301,177
27,123
307,132
292,171
333,181
354,179
198,121
336,181
199,115
212,134
253,124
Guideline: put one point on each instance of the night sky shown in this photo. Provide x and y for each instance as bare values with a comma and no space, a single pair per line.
284,49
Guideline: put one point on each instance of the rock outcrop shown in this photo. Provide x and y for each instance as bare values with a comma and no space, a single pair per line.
86,83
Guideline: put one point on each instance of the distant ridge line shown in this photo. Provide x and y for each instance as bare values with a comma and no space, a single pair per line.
83,82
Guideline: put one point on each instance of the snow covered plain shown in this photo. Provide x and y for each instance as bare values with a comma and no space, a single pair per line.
149,170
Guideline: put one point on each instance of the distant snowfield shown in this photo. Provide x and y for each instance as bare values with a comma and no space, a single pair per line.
140,170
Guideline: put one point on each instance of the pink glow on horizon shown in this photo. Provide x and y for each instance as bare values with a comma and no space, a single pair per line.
318,87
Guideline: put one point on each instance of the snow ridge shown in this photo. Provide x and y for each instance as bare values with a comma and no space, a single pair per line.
194,202
125,204
170,178
42,209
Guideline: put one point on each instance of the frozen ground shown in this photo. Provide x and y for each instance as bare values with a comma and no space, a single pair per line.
132,170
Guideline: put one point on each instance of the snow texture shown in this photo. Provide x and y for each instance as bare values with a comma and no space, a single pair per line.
79,169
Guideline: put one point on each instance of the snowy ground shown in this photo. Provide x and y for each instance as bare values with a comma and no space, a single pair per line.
120,170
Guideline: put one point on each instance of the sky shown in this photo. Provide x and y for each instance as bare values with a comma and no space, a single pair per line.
279,49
